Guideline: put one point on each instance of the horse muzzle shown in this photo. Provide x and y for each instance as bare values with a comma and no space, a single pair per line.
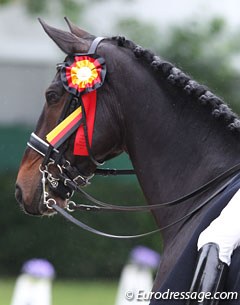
30,205
36,205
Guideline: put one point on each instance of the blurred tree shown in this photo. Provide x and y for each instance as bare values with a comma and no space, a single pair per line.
70,8
35,6
205,50
141,32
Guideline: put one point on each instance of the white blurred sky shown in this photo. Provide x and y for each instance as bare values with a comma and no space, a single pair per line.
164,12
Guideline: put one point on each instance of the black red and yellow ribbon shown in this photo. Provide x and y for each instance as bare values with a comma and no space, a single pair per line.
63,130
81,75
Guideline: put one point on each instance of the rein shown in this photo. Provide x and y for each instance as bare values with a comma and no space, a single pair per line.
85,227
101,206
82,75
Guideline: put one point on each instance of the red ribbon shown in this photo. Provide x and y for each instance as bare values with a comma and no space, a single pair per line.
89,102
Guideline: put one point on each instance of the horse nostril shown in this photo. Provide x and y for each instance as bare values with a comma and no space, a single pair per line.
18,195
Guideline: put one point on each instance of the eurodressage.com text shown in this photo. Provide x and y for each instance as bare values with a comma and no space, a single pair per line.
142,295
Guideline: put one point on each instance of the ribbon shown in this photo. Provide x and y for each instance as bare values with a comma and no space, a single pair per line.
65,129
73,122
81,75
80,146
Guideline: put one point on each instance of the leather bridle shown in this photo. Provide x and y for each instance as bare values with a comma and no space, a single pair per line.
69,179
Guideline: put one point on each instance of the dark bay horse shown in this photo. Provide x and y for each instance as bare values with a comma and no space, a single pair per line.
177,134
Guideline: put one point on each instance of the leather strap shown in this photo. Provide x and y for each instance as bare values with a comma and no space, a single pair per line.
85,227
41,147
114,172
140,208
94,45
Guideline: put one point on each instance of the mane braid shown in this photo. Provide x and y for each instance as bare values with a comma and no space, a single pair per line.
179,79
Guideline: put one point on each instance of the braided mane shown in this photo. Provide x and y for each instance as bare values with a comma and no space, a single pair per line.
178,78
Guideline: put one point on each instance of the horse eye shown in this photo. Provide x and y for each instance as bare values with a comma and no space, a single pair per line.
52,97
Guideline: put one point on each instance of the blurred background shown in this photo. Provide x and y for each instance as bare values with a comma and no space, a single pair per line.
201,37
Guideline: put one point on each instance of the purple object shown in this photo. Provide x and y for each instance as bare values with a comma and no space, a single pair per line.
38,267
144,256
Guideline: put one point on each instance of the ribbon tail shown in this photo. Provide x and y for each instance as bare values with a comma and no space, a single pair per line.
80,146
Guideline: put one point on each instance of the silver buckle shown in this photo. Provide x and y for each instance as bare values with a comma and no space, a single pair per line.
69,209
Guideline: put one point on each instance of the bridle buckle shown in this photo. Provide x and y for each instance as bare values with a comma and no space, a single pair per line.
82,181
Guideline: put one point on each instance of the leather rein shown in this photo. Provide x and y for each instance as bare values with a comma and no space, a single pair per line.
68,179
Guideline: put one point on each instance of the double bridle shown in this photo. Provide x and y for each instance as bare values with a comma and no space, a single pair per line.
68,179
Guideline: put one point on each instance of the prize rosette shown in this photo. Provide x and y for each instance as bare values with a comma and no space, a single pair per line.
82,73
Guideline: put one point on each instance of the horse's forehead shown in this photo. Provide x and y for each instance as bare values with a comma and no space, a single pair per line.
56,83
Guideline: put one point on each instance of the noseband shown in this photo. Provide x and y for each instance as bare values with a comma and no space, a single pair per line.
81,84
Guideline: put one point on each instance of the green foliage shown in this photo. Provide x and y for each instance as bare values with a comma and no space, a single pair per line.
72,8
207,51
36,6
12,146
141,32
3,1
73,252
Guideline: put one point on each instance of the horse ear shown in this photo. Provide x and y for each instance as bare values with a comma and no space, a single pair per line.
67,42
76,30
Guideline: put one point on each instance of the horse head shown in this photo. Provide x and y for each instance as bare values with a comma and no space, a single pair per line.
105,140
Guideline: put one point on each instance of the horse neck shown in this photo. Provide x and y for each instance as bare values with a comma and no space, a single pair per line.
174,143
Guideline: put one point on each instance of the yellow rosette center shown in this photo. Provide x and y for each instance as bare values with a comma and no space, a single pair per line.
83,73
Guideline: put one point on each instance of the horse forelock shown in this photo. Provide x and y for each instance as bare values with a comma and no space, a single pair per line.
189,87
